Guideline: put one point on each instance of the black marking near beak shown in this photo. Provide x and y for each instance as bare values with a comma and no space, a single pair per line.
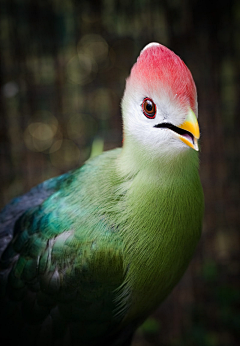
176,129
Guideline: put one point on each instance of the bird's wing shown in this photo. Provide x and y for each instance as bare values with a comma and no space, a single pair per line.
11,212
59,286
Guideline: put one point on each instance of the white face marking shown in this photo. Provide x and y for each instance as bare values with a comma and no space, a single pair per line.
141,128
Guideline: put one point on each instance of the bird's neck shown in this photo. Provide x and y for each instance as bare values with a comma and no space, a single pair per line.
136,158
165,210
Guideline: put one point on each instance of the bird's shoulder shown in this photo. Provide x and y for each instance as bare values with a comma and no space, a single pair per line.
52,191
19,205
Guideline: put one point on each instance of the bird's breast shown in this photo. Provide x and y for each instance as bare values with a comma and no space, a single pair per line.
160,238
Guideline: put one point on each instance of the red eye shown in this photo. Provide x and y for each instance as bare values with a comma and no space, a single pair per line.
149,108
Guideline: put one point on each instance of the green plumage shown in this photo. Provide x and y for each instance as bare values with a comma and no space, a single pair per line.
88,255
102,251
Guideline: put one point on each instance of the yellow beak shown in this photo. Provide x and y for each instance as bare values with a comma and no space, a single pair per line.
191,125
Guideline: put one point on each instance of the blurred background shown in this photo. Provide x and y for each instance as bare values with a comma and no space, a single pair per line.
63,69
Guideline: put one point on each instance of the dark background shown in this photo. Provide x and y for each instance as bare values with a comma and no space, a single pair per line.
63,69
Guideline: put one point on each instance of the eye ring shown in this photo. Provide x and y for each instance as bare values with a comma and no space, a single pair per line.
149,108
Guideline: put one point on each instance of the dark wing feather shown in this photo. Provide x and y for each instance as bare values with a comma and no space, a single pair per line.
11,212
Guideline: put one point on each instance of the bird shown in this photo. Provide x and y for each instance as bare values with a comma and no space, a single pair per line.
87,256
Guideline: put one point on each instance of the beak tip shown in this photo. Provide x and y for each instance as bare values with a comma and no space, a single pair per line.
191,125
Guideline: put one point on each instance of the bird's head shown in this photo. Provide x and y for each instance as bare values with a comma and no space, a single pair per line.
159,105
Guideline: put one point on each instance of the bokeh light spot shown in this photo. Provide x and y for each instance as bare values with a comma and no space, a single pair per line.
67,156
56,146
93,46
81,69
38,136
81,125
10,89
